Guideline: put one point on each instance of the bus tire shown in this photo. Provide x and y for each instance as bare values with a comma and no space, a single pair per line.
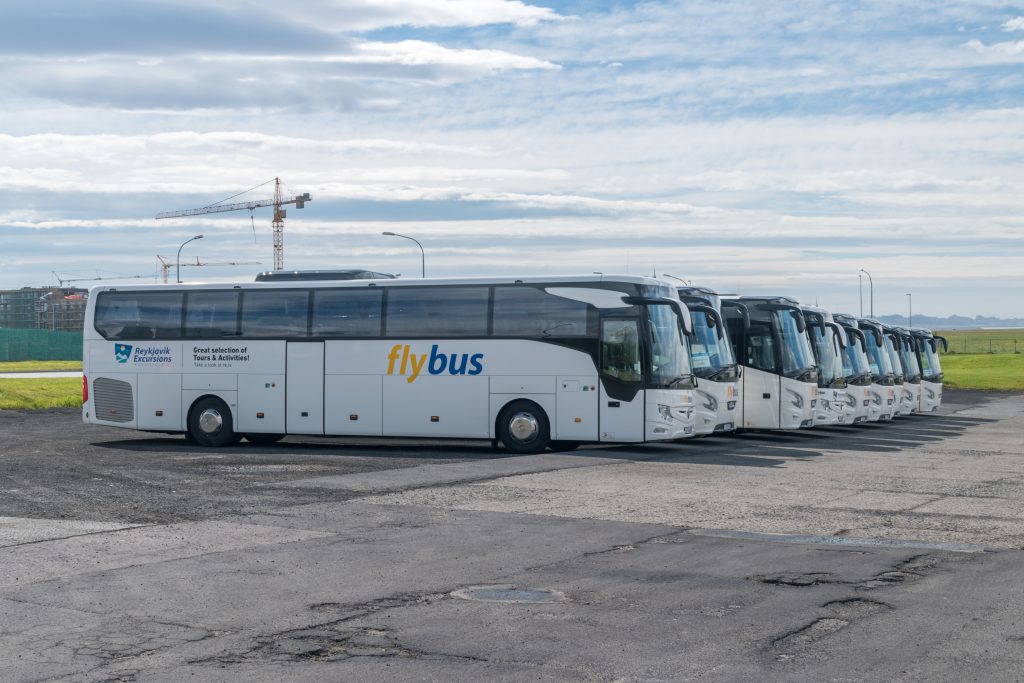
523,428
564,445
263,439
210,423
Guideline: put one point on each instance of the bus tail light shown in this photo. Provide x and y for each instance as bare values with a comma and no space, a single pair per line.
85,389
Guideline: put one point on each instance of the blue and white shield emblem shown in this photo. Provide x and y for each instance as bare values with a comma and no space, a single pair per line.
122,352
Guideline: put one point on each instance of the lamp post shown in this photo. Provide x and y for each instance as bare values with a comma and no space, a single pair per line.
177,259
871,282
423,255
860,288
910,309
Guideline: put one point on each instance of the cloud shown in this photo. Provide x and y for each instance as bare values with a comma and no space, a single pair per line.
1015,24
1010,48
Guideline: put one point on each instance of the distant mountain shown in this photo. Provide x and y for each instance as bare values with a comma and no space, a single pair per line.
952,322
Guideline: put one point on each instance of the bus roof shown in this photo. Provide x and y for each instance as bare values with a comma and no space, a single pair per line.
500,280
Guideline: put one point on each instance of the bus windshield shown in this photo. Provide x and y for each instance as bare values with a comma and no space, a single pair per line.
909,358
878,359
855,364
797,357
709,352
894,357
830,367
931,367
670,362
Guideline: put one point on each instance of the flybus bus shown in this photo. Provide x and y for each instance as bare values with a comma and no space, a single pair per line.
828,340
529,362
779,386
931,369
713,362
900,344
856,368
883,375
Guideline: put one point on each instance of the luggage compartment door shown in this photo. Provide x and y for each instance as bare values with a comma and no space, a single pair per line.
304,393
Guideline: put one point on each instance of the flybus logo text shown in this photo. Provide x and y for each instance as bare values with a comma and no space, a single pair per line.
402,361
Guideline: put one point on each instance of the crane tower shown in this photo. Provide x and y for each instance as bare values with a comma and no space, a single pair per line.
277,223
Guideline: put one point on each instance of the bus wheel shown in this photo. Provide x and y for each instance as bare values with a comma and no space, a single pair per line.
263,439
564,445
210,423
523,428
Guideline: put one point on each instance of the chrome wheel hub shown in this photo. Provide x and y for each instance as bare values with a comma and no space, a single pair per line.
210,421
524,426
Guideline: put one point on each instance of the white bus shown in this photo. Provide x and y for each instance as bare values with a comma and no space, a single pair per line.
529,362
828,340
713,362
931,368
883,376
856,368
910,401
779,386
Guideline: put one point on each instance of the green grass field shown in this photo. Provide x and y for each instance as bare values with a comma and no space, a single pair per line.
983,341
993,372
40,365
28,394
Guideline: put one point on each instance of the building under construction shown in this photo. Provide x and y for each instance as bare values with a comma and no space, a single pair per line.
43,308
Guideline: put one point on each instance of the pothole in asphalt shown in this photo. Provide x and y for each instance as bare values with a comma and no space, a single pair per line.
509,593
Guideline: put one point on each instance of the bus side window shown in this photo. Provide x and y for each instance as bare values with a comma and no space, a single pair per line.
275,313
347,312
211,314
620,349
139,315
761,347
437,311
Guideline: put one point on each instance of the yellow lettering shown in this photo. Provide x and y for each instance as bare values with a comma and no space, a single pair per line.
417,367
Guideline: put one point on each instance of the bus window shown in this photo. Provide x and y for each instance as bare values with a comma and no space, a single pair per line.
347,312
437,311
275,313
620,350
211,314
139,315
529,312
761,347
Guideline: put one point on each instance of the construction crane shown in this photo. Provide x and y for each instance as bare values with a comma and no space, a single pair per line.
279,214
62,280
165,264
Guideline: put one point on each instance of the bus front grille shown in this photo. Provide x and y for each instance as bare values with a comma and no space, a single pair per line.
113,400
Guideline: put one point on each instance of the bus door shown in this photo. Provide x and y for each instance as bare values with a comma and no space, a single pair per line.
304,388
621,412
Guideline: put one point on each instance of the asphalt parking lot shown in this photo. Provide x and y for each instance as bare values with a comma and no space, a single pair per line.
881,552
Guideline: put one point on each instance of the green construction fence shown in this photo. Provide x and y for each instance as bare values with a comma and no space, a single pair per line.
39,345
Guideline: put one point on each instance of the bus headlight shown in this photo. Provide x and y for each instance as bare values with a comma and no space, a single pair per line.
711,403
665,411
851,401
876,398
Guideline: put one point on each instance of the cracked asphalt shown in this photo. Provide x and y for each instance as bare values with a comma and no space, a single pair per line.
882,552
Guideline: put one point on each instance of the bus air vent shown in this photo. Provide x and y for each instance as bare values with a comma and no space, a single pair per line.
113,400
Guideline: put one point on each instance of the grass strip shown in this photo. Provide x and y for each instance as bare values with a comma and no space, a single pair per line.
32,394
990,372
40,366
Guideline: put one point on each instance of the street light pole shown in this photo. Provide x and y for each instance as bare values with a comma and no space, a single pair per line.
860,287
910,309
423,255
871,282
177,259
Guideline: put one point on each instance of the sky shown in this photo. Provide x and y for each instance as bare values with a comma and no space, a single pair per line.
752,147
